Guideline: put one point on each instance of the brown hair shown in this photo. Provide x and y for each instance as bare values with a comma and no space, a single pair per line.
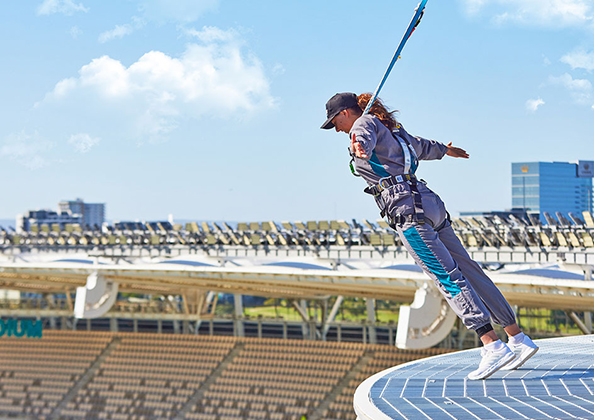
379,110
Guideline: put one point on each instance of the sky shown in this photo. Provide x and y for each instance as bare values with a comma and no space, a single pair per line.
211,109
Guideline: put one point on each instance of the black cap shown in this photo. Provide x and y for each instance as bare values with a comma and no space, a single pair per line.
337,103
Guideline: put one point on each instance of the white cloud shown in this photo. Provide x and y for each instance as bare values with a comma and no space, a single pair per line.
546,61
580,89
579,59
157,92
180,12
210,34
66,7
121,31
27,149
548,13
278,69
118,32
75,32
571,83
474,6
106,77
533,104
83,142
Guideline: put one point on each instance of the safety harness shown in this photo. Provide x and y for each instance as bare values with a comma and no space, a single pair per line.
410,166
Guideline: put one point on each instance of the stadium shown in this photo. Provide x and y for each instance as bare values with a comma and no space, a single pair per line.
122,322
214,107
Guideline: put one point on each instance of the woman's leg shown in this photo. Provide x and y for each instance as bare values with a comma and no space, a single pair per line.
522,346
429,252
425,246
495,302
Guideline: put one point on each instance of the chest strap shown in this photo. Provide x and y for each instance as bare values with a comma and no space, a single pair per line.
411,160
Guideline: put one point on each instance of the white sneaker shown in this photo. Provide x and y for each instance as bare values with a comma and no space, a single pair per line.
523,351
492,361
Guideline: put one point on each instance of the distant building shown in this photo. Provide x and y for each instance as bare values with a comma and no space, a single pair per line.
70,212
552,187
92,214
38,218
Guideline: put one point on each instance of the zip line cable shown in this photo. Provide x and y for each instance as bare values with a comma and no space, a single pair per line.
411,27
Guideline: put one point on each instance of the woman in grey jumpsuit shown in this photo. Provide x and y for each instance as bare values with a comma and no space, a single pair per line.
386,156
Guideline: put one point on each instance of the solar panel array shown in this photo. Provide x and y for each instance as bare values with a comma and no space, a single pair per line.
558,382
478,231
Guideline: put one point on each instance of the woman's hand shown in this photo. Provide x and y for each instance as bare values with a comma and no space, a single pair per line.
456,152
357,149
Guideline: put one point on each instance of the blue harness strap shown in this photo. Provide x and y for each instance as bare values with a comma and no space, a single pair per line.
411,27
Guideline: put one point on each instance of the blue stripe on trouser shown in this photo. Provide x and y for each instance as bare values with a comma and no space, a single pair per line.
429,259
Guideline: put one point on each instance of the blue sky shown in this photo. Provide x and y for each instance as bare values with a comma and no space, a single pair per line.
211,109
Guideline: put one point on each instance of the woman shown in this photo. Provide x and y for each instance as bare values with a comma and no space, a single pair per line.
386,157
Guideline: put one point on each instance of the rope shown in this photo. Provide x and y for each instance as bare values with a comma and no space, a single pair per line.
411,27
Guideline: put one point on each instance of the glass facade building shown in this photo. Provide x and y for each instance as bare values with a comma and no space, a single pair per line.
92,214
551,187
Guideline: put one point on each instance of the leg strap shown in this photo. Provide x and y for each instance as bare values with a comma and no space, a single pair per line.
419,214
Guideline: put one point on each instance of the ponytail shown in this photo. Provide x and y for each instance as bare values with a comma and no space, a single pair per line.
379,110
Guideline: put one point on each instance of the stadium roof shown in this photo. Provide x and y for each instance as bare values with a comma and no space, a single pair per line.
302,278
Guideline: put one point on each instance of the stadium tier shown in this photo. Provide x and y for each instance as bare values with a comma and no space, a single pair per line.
477,231
127,376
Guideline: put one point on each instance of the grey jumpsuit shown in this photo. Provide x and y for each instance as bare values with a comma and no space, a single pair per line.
432,243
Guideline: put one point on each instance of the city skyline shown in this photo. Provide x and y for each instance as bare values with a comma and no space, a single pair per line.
210,110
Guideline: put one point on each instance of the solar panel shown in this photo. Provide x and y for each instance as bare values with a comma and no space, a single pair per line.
558,382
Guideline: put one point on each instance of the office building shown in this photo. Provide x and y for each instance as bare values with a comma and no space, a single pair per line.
92,214
69,212
38,218
551,187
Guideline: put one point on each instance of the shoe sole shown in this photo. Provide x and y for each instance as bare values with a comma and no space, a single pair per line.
504,362
523,358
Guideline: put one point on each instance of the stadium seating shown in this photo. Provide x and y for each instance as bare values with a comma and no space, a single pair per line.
36,374
285,378
133,376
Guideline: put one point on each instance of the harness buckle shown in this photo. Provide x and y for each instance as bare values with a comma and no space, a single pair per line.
381,184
